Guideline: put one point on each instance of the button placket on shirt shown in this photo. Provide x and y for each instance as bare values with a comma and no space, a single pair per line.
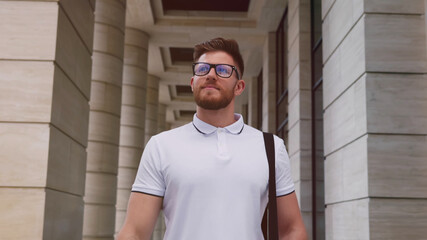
222,144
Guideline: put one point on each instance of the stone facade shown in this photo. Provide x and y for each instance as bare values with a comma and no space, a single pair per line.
84,84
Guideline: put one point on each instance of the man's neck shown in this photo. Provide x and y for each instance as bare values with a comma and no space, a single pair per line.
218,118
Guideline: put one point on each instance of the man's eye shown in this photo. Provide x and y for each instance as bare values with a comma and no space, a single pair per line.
203,68
223,70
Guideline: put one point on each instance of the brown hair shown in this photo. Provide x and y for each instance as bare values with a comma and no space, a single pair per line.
229,46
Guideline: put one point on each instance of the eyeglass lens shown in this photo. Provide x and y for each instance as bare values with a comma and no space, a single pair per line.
221,70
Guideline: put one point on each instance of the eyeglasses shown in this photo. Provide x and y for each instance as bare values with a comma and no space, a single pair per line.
222,70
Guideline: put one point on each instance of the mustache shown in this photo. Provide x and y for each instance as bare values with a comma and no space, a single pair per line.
210,86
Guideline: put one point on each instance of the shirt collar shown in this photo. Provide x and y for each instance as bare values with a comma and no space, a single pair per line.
206,128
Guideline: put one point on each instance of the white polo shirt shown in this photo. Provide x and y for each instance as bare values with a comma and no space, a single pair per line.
214,181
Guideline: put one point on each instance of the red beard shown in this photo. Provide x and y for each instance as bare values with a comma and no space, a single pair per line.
210,102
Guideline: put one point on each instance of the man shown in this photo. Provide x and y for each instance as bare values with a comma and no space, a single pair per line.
211,176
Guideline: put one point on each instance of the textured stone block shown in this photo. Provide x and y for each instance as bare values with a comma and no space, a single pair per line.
152,82
136,37
131,136
395,43
301,165
28,30
104,127
120,219
397,218
100,188
67,164
63,216
72,55
126,177
130,156
136,56
107,68
18,222
339,21
299,78
109,39
151,113
346,173
345,119
348,220
134,96
326,7
23,154
99,220
123,198
106,97
304,190
102,157
70,109
346,65
397,166
81,15
26,91
111,12
135,76
132,116
396,103
300,107
394,6
307,218
300,136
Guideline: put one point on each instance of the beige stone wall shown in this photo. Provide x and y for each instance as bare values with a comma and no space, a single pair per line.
104,120
269,84
252,101
132,122
45,69
374,92
299,100
161,117
152,105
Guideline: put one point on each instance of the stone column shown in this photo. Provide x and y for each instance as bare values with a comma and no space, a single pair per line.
299,105
45,69
151,128
252,102
104,120
375,119
151,112
269,84
132,129
161,118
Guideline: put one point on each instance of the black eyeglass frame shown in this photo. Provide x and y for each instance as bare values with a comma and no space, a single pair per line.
214,66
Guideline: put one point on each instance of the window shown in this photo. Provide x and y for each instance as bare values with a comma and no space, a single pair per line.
317,122
259,101
282,79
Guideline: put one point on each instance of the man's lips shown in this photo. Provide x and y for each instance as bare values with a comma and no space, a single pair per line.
210,87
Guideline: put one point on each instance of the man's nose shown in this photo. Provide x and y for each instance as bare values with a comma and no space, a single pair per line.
211,74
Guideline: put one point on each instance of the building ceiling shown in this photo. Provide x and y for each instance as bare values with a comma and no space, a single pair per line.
205,5
175,27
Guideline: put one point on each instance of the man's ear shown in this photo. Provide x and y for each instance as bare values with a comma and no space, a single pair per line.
240,86
191,84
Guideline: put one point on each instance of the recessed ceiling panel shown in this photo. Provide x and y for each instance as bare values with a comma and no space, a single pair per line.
186,113
181,55
204,5
183,90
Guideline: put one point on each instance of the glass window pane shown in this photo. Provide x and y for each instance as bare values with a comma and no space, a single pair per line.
282,111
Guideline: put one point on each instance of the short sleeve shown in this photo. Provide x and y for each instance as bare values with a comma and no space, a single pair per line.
284,182
149,178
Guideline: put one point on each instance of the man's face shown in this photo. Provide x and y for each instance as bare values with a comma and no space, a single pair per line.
211,91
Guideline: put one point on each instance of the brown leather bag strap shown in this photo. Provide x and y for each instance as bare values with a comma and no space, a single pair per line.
272,204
